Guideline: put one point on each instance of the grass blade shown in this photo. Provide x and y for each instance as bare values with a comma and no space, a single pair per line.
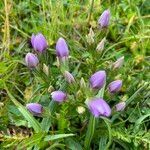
129,101
57,136
27,115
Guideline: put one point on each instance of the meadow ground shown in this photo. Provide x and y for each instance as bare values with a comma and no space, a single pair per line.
70,125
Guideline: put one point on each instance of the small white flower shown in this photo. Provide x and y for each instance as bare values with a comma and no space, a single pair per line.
80,109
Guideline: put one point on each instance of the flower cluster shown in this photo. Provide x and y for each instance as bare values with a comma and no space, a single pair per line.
39,44
97,106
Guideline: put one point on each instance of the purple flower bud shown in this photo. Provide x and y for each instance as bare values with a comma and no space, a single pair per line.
115,86
104,19
118,63
31,60
98,79
35,108
59,96
99,107
39,42
62,48
69,77
120,106
100,46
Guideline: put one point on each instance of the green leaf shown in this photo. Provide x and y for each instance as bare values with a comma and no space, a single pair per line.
135,94
46,122
27,115
31,141
108,124
57,136
121,135
73,145
102,143
139,121
56,145
90,132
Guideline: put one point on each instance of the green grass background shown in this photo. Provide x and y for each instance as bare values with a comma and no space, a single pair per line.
128,35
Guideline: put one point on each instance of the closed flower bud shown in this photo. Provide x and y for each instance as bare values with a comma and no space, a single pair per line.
99,107
69,77
115,86
79,94
62,50
35,108
104,19
31,60
45,69
100,46
98,79
82,83
90,37
120,106
39,42
59,96
118,63
50,89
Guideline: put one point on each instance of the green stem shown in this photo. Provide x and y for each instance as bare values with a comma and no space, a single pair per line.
90,132
46,122
109,132
92,124
91,8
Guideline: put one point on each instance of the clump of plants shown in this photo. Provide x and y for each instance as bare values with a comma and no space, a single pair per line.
76,104
93,90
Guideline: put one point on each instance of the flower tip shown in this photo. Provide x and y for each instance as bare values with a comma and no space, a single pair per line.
118,64
34,108
39,42
31,60
115,86
98,79
120,106
69,77
104,19
62,48
100,46
99,107
59,96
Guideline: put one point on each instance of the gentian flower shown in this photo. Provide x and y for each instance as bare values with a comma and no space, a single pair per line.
104,19
120,106
39,42
35,108
62,48
98,79
118,63
115,86
31,60
59,96
69,77
100,46
99,107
